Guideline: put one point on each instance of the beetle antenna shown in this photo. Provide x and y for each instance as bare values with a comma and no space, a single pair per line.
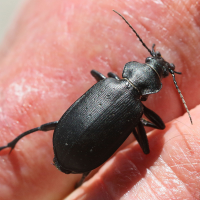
184,103
135,33
153,50
177,72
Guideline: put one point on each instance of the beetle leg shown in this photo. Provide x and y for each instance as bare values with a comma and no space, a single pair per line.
44,127
154,118
82,179
113,75
136,136
141,137
147,123
97,75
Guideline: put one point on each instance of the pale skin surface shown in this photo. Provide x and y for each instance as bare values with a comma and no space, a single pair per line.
45,66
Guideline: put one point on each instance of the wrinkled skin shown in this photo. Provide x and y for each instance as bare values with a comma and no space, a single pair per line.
45,64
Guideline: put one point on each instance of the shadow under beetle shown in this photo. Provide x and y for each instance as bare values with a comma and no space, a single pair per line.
96,125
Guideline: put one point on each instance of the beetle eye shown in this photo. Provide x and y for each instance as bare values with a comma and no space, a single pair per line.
172,66
158,54
148,59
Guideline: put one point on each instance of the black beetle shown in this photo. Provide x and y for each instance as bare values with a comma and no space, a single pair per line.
96,125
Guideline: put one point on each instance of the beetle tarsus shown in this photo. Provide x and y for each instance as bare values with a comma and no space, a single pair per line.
82,179
9,145
45,127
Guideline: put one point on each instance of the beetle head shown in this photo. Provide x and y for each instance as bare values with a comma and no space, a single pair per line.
162,67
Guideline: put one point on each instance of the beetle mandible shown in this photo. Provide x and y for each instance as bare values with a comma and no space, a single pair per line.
96,125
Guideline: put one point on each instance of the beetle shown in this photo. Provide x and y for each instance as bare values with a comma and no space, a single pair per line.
97,124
